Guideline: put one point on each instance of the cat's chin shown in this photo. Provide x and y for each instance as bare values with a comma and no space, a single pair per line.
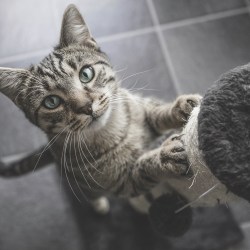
101,121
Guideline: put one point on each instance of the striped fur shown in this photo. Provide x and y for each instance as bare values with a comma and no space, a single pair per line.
105,151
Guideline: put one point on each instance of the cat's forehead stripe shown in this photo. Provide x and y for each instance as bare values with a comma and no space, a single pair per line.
60,62
49,71
72,64
53,65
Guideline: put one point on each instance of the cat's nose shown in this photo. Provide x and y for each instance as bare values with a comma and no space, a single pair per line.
86,109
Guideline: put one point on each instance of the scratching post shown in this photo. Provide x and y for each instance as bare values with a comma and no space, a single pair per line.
217,141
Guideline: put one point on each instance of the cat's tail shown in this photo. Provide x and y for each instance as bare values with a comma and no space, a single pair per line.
10,167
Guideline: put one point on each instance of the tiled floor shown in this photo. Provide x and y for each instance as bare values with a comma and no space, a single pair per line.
167,47
185,9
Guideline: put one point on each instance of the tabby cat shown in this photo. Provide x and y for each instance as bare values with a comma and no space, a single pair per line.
98,131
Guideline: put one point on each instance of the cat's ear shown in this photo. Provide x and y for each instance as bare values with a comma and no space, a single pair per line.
11,81
74,30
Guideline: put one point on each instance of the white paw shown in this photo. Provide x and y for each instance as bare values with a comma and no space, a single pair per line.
140,204
101,205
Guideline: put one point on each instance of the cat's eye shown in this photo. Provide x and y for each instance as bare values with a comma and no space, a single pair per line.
86,74
52,102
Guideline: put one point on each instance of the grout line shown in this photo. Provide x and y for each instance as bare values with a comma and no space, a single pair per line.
206,18
157,28
166,55
20,57
125,34
248,5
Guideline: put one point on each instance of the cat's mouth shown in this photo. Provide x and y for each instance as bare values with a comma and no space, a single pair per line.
99,119
96,118
98,114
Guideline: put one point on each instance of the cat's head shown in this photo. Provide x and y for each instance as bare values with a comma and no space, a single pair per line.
71,88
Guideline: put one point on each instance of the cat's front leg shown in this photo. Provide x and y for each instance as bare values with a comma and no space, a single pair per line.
154,166
171,115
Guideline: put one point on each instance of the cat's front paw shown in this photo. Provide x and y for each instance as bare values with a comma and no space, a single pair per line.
183,107
101,205
173,156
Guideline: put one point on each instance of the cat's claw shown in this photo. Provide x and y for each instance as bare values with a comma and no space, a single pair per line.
173,157
183,107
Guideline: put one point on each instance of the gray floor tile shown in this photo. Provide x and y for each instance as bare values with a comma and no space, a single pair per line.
36,214
108,17
26,26
141,54
169,10
245,244
247,2
23,63
241,211
202,52
17,134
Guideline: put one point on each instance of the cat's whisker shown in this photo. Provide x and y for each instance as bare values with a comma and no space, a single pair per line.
82,139
135,74
114,97
194,179
108,90
83,126
114,101
62,155
124,99
139,89
201,196
49,144
79,165
121,99
120,70
82,153
65,152
226,204
133,85
86,138
73,172
142,88
189,167
202,163
69,133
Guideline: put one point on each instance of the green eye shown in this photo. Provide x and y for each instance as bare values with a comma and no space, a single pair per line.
52,102
86,74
